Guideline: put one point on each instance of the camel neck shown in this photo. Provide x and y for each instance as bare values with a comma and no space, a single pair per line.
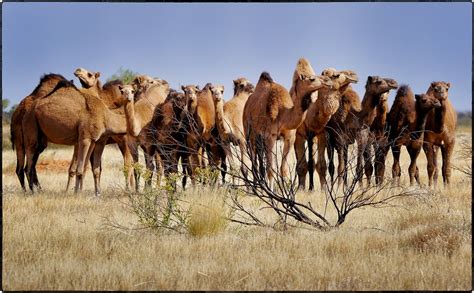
115,121
132,122
220,118
368,112
440,116
420,122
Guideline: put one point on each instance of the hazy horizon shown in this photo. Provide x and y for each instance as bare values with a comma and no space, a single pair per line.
195,43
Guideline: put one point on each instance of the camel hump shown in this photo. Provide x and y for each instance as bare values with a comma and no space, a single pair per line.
47,78
278,97
63,84
404,91
207,86
265,76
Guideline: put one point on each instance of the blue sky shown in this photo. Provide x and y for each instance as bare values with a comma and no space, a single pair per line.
414,43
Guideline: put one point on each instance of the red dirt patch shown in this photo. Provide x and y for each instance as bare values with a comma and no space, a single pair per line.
53,165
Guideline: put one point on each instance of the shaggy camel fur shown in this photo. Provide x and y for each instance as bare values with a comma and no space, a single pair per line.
112,98
46,85
406,121
67,116
272,112
319,113
440,132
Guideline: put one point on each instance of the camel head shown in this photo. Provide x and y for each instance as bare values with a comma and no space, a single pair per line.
86,78
377,85
143,82
340,78
243,85
190,92
217,92
310,83
427,102
128,92
439,89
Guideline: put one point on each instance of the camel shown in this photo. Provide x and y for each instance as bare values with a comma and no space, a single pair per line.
272,112
68,116
111,96
47,83
200,130
319,114
229,120
368,126
406,121
440,131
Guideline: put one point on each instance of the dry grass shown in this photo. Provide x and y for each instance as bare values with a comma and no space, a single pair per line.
57,241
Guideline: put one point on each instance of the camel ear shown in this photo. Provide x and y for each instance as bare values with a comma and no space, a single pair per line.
433,84
135,87
235,82
370,79
120,87
182,88
449,85
197,87
302,76
417,97
97,74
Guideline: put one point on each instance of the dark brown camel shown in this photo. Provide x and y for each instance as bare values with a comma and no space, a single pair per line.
406,121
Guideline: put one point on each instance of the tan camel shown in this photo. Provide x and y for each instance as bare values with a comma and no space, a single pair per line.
111,96
272,112
46,85
319,114
67,116
440,132
407,121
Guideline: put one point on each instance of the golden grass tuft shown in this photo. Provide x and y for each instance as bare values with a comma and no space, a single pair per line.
207,216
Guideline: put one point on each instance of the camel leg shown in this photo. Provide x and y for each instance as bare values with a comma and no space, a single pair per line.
150,166
381,151
330,148
435,161
72,168
430,157
20,164
133,147
127,163
368,167
396,170
413,169
311,155
160,168
96,164
83,153
321,166
243,166
301,164
342,167
446,152
269,144
288,142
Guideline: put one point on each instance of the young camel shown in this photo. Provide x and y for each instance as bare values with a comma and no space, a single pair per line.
272,112
67,116
47,83
229,120
407,120
319,113
440,132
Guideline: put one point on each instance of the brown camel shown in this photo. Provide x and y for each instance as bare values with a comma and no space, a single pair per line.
46,85
369,126
406,121
440,132
319,113
67,116
199,126
162,137
272,112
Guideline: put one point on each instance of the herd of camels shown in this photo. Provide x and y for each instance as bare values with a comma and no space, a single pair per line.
173,127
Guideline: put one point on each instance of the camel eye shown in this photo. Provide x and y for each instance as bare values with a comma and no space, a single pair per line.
222,92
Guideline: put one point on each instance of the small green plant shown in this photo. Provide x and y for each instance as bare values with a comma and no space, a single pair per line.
207,176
